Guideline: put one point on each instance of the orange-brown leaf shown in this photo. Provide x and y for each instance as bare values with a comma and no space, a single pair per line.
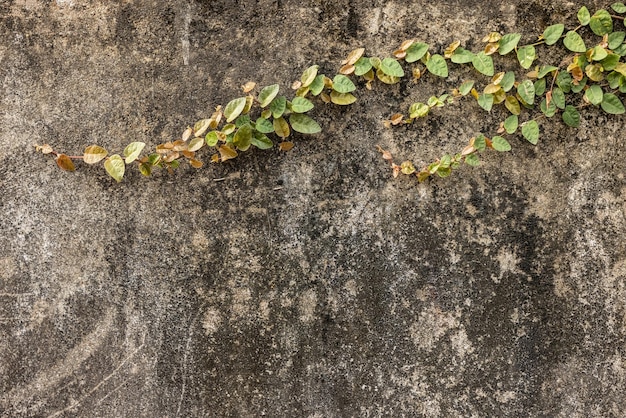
65,163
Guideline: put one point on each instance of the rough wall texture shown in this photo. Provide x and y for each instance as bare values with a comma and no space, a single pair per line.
306,284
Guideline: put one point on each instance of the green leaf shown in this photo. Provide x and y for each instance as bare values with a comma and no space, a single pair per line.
564,81
304,124
301,105
577,88
317,85
267,94
243,137
558,97
132,151
416,51
540,87
526,90
114,165
526,55
508,43
278,106
211,138
530,131
612,104
548,109
234,109
483,63
342,99
309,75
242,120
571,117
619,7
281,127
614,79
462,56
472,160
553,33
480,142
594,94
545,70
601,23
584,16
261,141
390,67
466,87
437,65
500,144
486,101
610,62
264,126
508,81
94,154
342,84
362,66
574,42
511,123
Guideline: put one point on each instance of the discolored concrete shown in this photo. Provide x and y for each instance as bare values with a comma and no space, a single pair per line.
308,283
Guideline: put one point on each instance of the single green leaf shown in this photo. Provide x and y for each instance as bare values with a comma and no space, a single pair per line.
540,87
243,137
211,138
342,84
564,81
507,81
301,105
309,75
601,23
483,63
598,53
612,104
472,160
304,124
486,101
574,42
132,151
508,43
548,109
390,67
466,87
278,106
545,70
577,88
619,7
234,109
530,131
94,154
462,56
510,124
362,66
342,99
437,65
526,56
614,79
264,126
571,117
242,120
583,16
114,165
480,142
594,94
145,169
553,33
267,94
558,97
281,127
526,90
261,141
500,144
620,50
610,62
416,51
317,85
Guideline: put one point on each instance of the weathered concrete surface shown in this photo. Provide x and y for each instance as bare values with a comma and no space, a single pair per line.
307,284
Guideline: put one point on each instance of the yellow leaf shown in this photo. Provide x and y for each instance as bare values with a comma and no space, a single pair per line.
195,163
447,53
491,48
196,143
114,165
354,56
94,154
227,152
281,127
491,88
248,87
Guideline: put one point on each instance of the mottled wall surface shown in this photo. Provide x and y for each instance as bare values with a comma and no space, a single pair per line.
308,283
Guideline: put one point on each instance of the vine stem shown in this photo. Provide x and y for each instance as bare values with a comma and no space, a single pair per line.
617,17
72,157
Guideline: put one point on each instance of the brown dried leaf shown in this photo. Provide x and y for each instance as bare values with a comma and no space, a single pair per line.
45,149
171,156
406,44
354,56
386,154
179,145
491,48
286,145
195,163
397,118
248,87
296,85
227,152
65,163
188,154
347,69
399,53
187,134
417,73
447,53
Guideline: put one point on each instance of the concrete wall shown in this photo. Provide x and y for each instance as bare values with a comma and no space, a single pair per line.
308,283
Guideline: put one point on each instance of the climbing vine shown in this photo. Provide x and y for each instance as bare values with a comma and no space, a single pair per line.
589,75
